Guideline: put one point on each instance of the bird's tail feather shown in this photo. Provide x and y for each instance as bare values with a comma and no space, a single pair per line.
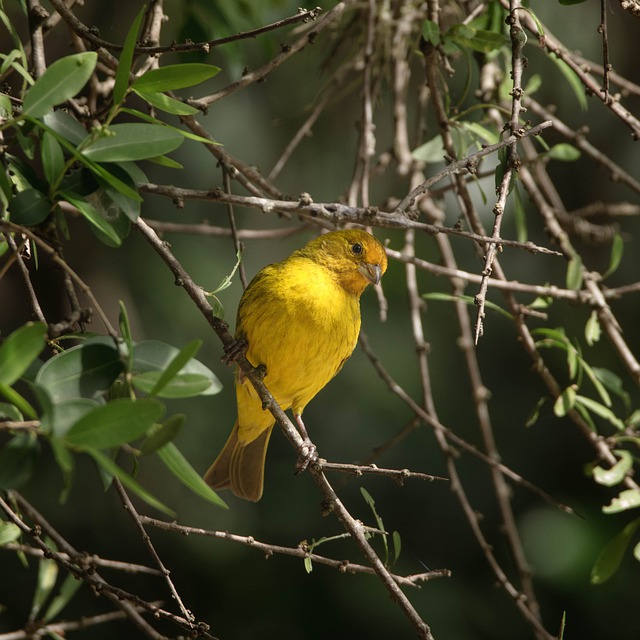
240,466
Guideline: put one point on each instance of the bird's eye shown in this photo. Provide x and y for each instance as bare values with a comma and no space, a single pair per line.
356,248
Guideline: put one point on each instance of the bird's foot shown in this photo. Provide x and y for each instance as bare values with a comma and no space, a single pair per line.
233,351
307,454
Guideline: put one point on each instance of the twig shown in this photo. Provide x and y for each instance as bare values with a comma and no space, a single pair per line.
146,539
93,560
287,51
333,212
301,551
123,600
399,475
90,36
467,164
512,161
61,628
59,262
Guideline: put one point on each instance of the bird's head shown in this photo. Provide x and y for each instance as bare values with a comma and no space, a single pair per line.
355,257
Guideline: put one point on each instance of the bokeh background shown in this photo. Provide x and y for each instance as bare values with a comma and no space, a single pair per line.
234,588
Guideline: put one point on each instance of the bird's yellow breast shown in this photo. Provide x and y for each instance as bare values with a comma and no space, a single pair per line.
302,325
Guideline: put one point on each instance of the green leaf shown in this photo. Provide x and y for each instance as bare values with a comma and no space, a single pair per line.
30,207
84,371
20,349
612,382
564,152
17,460
52,158
47,576
628,499
65,594
601,410
467,37
126,58
61,81
113,469
160,435
60,417
125,332
66,126
9,532
467,300
431,32
520,219
308,564
480,132
397,546
93,217
133,141
615,474
165,161
118,422
177,76
573,81
431,151
226,281
9,412
574,273
611,556
18,401
176,365
113,181
565,401
183,471
184,385
186,134
66,463
166,103
592,330
151,358
617,249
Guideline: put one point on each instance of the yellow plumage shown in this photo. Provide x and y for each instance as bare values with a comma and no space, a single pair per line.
301,319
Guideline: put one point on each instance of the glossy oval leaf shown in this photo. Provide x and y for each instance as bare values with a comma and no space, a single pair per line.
84,371
166,103
30,207
176,76
611,556
20,349
121,421
61,81
17,460
62,416
184,385
133,141
66,126
176,365
52,158
93,217
152,357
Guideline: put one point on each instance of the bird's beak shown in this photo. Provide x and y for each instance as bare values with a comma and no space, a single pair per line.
372,272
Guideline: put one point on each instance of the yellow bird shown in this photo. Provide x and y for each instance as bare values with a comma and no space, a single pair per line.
300,319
